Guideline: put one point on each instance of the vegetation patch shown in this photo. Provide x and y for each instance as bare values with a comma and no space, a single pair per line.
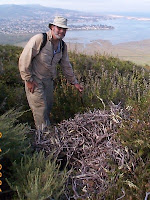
106,146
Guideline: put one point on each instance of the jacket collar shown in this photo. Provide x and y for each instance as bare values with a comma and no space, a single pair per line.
49,34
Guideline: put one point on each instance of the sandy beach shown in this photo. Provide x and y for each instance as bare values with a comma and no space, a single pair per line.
137,52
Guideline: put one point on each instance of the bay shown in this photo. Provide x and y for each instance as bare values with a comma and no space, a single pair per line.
128,28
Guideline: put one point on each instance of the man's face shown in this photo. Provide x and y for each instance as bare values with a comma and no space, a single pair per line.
58,32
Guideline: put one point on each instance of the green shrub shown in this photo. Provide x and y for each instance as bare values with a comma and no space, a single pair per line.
14,141
38,178
103,77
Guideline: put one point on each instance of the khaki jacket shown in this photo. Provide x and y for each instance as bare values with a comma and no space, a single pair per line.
42,64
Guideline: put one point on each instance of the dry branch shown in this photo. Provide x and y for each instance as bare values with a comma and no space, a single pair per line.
89,143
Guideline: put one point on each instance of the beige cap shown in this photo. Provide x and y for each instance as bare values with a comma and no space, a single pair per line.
60,22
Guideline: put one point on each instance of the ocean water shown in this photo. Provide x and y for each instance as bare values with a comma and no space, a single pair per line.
129,27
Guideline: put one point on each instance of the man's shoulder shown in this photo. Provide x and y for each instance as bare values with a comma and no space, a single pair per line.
37,37
35,40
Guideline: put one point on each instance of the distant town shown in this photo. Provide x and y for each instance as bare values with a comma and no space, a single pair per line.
22,26
34,19
90,27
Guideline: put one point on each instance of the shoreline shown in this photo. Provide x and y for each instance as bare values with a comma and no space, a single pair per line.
136,51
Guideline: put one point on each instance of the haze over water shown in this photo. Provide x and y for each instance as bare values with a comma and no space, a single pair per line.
131,27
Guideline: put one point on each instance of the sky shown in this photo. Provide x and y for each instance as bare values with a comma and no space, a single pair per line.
90,5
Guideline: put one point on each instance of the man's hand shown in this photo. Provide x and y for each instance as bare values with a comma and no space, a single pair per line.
79,87
31,86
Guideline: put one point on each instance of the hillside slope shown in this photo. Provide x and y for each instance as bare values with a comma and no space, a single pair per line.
102,77
116,137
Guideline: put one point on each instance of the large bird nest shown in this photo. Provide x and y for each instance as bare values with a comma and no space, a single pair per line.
89,145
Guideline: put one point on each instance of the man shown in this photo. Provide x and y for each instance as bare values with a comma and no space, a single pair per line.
38,69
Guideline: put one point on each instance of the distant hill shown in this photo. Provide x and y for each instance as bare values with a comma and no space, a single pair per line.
16,11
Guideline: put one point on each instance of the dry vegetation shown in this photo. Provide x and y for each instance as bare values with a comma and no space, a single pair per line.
89,145
97,147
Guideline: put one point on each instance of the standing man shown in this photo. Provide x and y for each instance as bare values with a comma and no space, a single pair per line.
37,65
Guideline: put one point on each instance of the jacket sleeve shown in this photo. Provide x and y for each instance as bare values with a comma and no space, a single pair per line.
67,67
29,52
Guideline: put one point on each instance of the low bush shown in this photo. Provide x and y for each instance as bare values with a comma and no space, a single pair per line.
38,178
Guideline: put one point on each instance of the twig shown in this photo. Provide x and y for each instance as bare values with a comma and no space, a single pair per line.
86,143
122,195
147,194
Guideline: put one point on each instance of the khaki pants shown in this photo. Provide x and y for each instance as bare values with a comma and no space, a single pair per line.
41,102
